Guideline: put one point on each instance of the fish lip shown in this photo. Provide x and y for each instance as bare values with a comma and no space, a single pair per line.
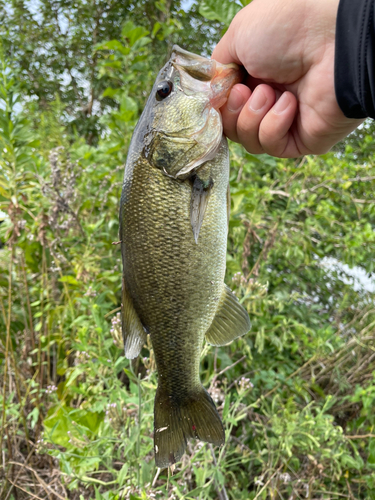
231,66
215,77
195,57
226,76
176,49
198,67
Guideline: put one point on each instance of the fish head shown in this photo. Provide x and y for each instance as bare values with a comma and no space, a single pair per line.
181,127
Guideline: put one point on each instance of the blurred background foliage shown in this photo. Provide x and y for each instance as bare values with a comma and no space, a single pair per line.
76,418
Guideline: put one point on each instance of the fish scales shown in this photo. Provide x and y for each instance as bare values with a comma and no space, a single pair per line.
173,229
180,281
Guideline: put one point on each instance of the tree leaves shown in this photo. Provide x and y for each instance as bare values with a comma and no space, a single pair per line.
222,11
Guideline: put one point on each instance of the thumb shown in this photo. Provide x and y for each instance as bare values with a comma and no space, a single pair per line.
225,51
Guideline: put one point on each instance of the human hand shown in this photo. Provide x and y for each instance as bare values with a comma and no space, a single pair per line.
288,106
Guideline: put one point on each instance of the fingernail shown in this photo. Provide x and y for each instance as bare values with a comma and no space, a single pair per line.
235,101
257,100
281,104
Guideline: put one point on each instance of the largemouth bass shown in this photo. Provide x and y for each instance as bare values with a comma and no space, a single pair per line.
173,228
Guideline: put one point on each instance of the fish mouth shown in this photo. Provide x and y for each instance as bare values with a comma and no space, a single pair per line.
202,74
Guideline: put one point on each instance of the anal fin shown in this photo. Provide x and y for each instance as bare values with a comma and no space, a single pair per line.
133,332
230,322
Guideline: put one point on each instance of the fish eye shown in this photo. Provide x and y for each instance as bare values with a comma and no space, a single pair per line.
163,90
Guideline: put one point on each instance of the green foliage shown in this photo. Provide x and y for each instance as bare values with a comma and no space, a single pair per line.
296,394
219,11
53,47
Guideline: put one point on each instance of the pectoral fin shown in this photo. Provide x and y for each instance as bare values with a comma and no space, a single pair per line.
133,332
199,199
230,322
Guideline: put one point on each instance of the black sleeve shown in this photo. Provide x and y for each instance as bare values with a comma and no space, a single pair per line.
354,58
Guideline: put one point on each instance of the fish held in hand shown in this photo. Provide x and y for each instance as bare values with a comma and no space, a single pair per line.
173,227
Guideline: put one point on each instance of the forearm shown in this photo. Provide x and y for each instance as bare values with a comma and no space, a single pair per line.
354,58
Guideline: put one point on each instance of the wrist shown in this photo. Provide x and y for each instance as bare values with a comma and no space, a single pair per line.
320,27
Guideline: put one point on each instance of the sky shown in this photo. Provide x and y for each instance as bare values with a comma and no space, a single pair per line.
359,276
186,4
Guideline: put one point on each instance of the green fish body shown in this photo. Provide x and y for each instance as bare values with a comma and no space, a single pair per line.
173,227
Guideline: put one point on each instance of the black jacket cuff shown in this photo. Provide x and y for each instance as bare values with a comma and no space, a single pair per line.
354,58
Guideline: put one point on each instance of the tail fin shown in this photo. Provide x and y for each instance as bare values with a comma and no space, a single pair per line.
196,416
